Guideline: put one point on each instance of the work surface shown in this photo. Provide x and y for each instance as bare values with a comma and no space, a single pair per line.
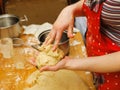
15,71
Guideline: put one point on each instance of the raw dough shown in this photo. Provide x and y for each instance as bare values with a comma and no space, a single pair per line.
48,57
59,80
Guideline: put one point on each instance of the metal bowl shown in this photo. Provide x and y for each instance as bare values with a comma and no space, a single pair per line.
63,44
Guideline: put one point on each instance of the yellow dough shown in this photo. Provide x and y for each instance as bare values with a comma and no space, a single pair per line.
47,56
59,80
50,80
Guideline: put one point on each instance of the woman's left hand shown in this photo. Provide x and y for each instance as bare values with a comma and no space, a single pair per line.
59,65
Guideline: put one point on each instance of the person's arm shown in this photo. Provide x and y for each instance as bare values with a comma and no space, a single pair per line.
105,63
65,21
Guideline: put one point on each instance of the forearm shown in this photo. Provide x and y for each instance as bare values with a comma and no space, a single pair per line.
105,63
77,8
78,11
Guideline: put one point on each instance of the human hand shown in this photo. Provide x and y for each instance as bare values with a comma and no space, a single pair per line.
56,67
65,21
59,65
65,63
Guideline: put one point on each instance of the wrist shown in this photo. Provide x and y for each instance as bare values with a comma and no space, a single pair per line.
77,64
77,8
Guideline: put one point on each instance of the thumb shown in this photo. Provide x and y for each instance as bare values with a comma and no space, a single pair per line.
48,68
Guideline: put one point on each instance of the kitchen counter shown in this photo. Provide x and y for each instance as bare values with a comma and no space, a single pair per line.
14,71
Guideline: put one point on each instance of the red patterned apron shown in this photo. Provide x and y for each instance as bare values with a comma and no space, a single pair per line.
98,44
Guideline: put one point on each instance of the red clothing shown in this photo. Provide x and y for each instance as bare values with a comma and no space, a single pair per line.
98,44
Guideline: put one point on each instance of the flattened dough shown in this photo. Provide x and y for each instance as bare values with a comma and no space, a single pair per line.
59,80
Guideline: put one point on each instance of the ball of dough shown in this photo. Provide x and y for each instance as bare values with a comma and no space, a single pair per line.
48,57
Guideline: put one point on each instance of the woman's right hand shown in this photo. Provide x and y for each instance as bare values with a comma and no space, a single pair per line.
65,21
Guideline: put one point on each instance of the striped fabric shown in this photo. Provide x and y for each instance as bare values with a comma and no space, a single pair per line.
110,20
94,4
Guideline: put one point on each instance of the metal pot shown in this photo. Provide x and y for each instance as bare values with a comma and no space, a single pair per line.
63,44
9,26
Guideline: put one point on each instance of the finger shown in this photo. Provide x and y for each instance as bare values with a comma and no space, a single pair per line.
32,61
45,68
57,40
50,37
46,39
48,68
55,46
50,41
70,31
66,58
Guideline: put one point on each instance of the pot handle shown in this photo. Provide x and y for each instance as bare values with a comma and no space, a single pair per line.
24,18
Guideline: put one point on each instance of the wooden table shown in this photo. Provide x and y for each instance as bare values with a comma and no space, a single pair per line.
14,71
78,50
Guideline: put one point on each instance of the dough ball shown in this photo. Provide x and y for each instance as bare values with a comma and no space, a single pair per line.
48,57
